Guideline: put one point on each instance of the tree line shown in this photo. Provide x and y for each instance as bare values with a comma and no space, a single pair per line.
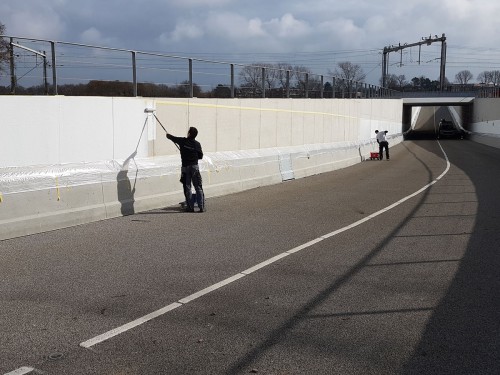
108,88
487,77
462,78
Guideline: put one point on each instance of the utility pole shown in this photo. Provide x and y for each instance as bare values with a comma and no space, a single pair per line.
45,82
428,41
12,68
442,69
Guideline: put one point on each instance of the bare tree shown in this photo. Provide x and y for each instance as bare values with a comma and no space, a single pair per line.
302,77
495,77
485,77
282,68
402,82
463,77
391,81
350,74
251,78
349,71
270,75
489,77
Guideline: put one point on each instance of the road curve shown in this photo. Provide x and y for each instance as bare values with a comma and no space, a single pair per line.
386,267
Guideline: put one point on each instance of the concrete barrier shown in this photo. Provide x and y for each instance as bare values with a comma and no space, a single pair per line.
485,124
68,161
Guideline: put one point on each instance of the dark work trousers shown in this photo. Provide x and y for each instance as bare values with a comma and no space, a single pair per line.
381,146
191,174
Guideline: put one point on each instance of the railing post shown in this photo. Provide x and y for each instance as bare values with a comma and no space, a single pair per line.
288,84
333,87
307,85
134,73
263,82
191,91
321,88
232,80
54,69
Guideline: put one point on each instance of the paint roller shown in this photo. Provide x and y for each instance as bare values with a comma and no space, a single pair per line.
152,111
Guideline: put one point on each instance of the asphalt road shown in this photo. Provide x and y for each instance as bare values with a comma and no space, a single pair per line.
387,281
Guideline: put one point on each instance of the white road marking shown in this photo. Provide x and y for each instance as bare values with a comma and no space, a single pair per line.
211,288
264,263
21,371
114,332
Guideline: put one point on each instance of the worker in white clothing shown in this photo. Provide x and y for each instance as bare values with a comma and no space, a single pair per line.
382,144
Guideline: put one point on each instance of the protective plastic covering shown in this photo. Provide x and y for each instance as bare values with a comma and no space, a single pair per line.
40,177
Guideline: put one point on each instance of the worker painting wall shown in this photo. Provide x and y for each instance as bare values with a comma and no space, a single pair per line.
71,160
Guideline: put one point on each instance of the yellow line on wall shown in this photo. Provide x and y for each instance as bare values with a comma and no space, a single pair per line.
188,104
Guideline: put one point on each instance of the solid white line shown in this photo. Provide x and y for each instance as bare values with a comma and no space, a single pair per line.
306,245
211,288
21,371
220,284
114,332
265,263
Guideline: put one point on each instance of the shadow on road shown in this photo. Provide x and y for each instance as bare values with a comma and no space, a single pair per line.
306,312
463,334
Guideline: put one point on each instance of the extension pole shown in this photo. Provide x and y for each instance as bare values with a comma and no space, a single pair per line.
152,111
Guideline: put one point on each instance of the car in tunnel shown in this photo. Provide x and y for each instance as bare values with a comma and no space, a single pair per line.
447,129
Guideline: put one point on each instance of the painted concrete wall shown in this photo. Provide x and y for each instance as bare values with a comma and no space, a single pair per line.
71,160
485,124
57,130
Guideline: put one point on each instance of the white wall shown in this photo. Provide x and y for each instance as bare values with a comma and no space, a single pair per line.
485,126
242,124
56,130
70,160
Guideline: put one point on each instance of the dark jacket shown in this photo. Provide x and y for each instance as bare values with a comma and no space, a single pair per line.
190,149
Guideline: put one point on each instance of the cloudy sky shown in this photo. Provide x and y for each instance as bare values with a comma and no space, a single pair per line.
317,34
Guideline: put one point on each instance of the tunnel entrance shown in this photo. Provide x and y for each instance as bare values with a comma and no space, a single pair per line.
421,117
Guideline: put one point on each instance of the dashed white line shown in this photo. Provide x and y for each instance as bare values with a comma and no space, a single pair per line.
114,332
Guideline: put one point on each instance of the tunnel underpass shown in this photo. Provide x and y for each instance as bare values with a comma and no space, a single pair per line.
421,116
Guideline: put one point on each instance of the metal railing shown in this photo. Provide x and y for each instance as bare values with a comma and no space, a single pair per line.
453,91
82,69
